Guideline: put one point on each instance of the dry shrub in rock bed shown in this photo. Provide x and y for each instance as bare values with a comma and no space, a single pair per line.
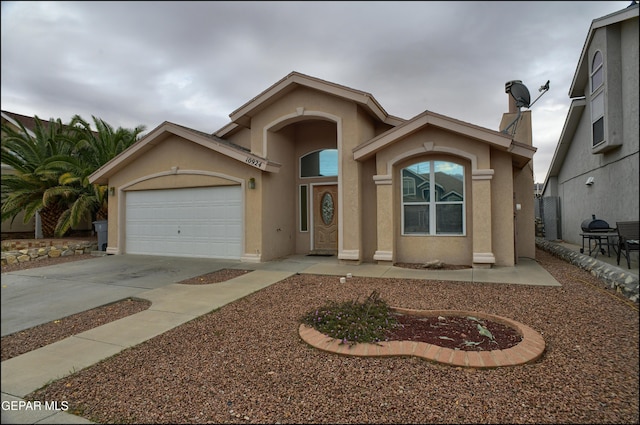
38,336
245,362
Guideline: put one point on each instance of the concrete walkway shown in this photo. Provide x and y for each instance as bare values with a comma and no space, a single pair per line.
174,304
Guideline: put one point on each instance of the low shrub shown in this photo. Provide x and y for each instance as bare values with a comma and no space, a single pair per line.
352,321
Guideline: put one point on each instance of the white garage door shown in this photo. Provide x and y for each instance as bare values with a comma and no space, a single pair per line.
196,222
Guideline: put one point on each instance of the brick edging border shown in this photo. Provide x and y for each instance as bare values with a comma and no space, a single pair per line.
528,350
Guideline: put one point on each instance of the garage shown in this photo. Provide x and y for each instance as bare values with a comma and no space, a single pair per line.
201,222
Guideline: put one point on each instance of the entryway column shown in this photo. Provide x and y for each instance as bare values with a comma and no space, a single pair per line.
482,233
384,200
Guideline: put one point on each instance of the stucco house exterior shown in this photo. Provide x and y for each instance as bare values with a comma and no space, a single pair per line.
312,167
595,167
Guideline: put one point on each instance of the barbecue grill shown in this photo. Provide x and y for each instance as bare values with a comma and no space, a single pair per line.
598,231
595,225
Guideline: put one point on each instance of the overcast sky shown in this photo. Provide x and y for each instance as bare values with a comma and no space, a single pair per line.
193,63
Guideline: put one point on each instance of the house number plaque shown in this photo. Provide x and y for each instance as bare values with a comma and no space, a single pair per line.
327,208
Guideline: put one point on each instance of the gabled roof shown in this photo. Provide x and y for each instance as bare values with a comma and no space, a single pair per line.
573,119
241,117
581,76
523,153
167,129
29,123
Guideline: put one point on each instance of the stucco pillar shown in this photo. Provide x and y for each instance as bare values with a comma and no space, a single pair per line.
384,200
481,195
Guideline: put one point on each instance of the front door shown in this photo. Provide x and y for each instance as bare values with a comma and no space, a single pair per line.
325,219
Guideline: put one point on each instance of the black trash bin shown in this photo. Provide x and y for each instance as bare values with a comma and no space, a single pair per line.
101,230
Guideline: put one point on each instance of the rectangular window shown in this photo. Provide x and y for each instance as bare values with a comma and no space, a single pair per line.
304,210
597,118
433,209
598,131
416,219
449,219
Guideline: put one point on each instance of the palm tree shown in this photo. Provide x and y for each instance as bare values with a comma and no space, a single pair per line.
92,149
31,158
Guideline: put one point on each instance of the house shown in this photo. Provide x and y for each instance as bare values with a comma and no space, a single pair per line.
17,227
594,170
312,167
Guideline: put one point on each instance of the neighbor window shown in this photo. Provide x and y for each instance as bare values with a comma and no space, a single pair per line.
597,72
320,163
433,209
597,100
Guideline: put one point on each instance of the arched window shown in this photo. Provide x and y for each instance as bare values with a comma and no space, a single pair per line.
433,209
320,163
597,72
597,100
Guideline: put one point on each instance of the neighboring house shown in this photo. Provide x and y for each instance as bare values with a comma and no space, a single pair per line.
313,167
595,167
17,227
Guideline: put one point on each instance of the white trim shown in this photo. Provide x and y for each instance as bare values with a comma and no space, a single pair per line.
484,258
486,174
349,254
382,179
432,147
383,256
433,204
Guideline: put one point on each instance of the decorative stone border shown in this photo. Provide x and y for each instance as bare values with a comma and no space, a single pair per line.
617,278
46,251
528,350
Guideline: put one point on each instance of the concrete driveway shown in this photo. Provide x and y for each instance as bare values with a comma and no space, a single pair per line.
40,295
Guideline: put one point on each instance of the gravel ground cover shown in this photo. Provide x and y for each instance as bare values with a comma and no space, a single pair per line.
245,363
30,339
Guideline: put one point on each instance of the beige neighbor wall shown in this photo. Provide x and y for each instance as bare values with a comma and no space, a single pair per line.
193,168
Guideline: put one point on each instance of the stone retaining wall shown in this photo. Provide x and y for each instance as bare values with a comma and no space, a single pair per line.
616,278
49,251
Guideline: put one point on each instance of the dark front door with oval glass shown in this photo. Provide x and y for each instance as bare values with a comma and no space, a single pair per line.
325,219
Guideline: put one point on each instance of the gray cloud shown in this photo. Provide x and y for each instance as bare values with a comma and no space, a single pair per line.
193,63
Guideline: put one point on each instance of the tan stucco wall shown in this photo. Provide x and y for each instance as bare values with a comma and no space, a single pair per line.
193,168
525,217
303,104
502,205
310,136
420,249
488,201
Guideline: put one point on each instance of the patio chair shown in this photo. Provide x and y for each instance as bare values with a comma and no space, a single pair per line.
628,238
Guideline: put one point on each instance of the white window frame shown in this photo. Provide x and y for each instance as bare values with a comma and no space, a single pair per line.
433,203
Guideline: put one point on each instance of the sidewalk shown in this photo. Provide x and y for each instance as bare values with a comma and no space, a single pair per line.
175,304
